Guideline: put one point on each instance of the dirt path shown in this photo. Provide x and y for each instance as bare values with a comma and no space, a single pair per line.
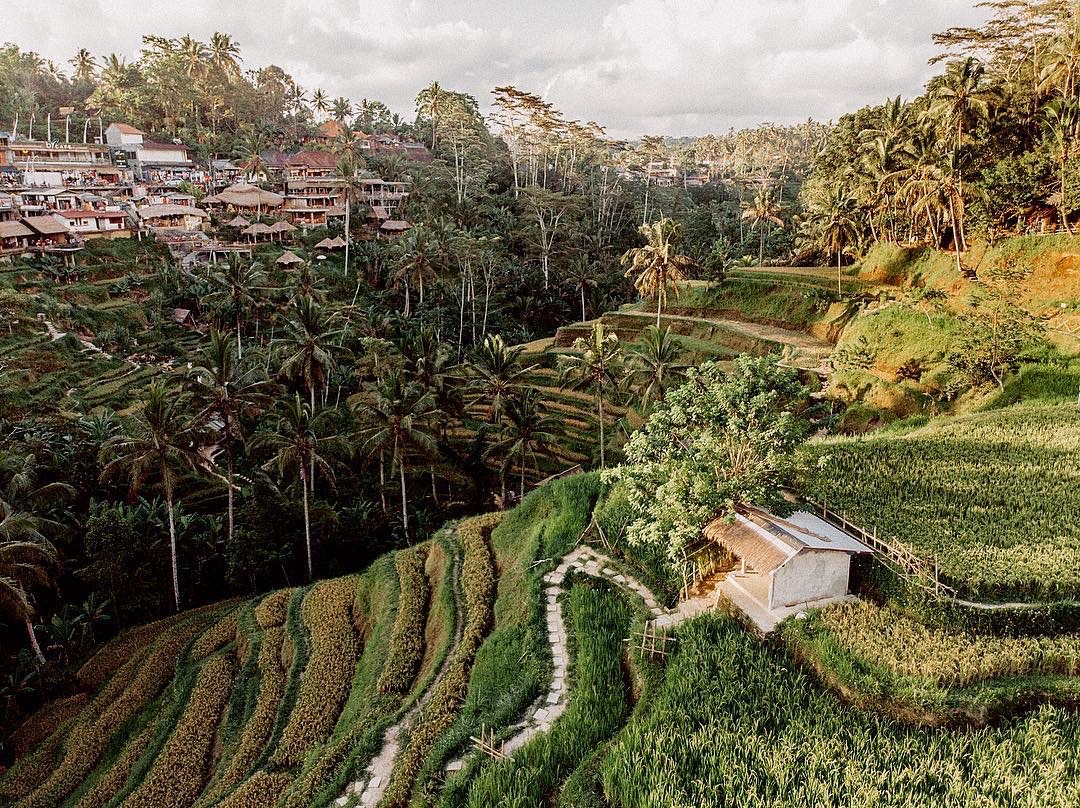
784,336
54,335
368,790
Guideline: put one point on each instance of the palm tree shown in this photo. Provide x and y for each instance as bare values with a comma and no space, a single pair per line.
225,53
85,65
250,152
25,563
342,109
161,442
495,371
596,366
658,265
228,391
525,433
294,438
961,100
400,422
763,210
26,555
415,263
237,288
1061,120
841,229
308,357
347,167
654,367
581,276
320,101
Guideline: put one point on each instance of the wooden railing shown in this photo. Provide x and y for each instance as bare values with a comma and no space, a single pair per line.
918,570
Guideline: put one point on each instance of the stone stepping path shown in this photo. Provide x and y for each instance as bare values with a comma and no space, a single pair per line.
551,705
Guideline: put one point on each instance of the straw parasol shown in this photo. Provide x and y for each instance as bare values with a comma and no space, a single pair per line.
256,230
289,258
239,221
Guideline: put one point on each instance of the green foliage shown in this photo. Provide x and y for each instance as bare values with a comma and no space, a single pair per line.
717,441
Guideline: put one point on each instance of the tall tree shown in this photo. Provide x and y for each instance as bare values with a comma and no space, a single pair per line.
160,442
596,366
658,265
524,434
761,212
228,391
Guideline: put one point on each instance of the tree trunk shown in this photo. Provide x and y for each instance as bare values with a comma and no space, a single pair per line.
659,298
348,210
582,304
231,464
34,641
172,553
239,347
600,410
307,523
382,479
521,492
404,500
839,288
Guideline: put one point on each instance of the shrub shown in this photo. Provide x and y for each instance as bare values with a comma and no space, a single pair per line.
407,641
180,769
328,675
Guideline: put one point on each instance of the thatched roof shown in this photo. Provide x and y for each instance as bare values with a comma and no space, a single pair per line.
395,226
245,195
239,221
750,543
156,211
47,225
14,230
288,258
281,227
335,243
257,229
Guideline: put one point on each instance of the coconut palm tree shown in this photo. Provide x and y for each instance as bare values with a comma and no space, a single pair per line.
237,288
228,391
841,228
342,109
415,265
1061,122
762,211
524,434
654,365
581,276
308,347
26,563
658,266
224,52
596,366
495,372
161,442
348,167
85,65
321,102
250,152
399,422
296,436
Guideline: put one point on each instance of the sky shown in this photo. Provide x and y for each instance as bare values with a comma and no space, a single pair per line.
672,67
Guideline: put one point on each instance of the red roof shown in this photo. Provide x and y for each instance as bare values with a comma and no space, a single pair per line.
153,144
125,128
313,159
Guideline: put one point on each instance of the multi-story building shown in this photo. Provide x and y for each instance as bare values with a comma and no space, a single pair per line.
150,161
42,164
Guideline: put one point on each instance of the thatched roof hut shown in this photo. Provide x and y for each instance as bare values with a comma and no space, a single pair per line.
289,258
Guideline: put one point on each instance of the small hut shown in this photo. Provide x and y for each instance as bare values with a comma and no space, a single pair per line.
243,196
256,230
335,243
289,259
239,222
392,228
281,228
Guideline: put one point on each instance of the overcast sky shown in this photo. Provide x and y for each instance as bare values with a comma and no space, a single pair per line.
677,67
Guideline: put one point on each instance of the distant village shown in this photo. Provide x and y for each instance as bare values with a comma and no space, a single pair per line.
54,196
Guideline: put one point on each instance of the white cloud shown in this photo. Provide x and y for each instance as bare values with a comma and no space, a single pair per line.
673,66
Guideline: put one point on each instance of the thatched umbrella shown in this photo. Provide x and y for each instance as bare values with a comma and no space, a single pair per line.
289,258
239,222
256,230
281,228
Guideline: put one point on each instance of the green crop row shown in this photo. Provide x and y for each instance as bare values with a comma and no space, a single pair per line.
478,583
215,638
738,724
112,780
272,610
260,724
407,640
328,676
180,770
110,710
